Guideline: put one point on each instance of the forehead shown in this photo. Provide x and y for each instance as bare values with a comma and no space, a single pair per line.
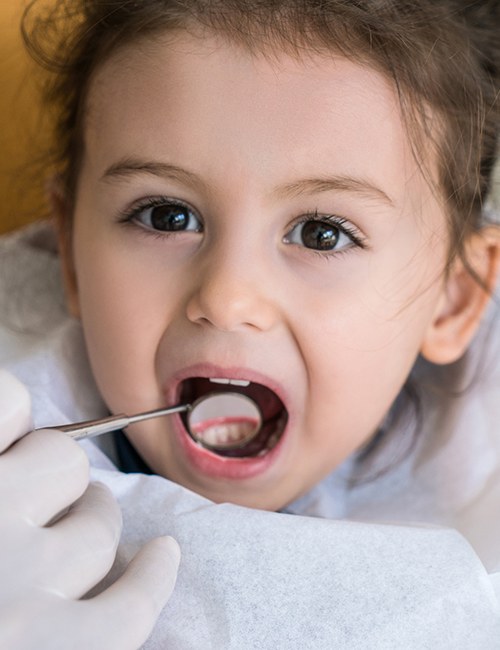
213,66
313,112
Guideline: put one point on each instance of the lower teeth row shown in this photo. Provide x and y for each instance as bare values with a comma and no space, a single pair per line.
226,435
230,435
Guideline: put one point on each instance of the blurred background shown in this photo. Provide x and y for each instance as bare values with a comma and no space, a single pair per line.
21,126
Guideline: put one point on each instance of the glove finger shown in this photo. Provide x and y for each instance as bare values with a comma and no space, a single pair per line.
83,543
121,617
41,475
15,410
130,607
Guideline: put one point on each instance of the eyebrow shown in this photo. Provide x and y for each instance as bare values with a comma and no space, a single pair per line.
131,167
363,187
360,186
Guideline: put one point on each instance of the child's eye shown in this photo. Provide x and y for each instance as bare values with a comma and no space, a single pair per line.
162,215
324,233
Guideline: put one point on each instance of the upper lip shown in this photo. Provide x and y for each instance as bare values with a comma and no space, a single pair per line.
209,370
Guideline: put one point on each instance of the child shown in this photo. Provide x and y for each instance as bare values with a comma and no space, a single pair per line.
283,200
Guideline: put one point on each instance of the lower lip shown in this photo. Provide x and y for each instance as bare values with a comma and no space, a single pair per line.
210,464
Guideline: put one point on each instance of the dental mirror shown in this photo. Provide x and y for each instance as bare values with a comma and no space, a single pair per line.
221,421
217,421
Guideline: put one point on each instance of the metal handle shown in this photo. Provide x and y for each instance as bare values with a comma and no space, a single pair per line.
92,428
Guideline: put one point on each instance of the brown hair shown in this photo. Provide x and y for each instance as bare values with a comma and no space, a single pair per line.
442,56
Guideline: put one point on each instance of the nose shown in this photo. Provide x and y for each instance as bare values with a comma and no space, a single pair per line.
232,294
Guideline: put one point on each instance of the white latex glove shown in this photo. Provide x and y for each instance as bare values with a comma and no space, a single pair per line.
46,568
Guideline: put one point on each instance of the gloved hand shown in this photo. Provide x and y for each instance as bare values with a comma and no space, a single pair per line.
58,538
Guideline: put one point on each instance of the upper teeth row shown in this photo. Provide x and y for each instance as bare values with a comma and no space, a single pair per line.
233,382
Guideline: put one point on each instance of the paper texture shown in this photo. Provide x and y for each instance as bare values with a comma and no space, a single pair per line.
252,579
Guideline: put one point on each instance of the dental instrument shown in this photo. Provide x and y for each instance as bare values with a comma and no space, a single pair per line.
244,418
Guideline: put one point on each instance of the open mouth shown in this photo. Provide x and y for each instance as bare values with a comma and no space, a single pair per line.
236,436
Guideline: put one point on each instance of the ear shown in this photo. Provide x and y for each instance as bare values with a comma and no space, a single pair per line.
464,299
62,217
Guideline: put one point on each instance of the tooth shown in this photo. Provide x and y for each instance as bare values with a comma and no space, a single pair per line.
225,434
233,382
210,436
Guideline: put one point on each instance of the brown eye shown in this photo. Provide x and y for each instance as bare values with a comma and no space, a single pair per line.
319,235
168,217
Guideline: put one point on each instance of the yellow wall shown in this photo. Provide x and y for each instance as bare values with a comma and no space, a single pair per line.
21,196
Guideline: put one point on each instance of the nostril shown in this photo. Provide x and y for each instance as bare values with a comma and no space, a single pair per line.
202,321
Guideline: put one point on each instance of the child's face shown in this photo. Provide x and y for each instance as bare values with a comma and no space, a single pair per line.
331,314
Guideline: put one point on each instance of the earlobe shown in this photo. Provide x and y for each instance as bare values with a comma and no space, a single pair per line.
464,299
61,214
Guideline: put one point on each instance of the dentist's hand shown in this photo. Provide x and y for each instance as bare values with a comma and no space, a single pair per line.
45,568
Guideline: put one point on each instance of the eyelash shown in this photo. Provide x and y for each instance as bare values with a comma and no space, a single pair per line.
343,225
127,218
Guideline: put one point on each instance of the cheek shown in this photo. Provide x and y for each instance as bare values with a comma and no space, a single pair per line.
362,340
352,385
123,317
